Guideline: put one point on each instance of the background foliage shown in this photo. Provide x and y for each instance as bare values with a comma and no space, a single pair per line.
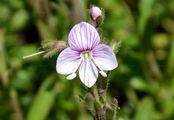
143,83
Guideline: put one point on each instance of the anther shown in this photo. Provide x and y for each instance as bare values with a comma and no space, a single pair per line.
103,73
71,76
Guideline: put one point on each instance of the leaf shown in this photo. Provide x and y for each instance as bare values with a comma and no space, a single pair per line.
145,10
145,110
170,61
43,101
138,83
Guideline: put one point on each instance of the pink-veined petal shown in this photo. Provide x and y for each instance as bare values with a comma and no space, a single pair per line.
88,73
83,36
67,61
104,57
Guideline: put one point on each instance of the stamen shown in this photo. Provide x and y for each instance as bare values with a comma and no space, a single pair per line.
101,71
86,55
77,65
27,56
73,74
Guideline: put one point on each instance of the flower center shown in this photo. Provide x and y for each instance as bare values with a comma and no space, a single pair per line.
86,55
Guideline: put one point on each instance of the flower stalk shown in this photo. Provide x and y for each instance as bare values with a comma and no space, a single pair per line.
103,108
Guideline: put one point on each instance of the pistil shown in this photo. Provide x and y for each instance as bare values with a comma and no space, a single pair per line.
86,55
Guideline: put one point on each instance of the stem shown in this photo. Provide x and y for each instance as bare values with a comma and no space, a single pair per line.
99,94
102,88
15,105
104,110
3,66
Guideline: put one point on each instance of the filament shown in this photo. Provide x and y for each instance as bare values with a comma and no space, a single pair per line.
101,71
73,74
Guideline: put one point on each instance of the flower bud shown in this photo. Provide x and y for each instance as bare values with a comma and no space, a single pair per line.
95,12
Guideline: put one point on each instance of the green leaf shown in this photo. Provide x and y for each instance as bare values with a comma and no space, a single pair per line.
43,101
138,83
19,20
145,110
145,10
170,62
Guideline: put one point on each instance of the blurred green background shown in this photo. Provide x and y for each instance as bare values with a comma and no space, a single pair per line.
30,89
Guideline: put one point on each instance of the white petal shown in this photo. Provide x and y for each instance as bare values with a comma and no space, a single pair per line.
67,61
104,57
88,73
83,36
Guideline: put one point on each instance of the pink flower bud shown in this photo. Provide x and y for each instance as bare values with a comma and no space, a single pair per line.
95,12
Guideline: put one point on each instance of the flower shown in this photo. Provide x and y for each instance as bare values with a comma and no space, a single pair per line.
95,12
85,55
